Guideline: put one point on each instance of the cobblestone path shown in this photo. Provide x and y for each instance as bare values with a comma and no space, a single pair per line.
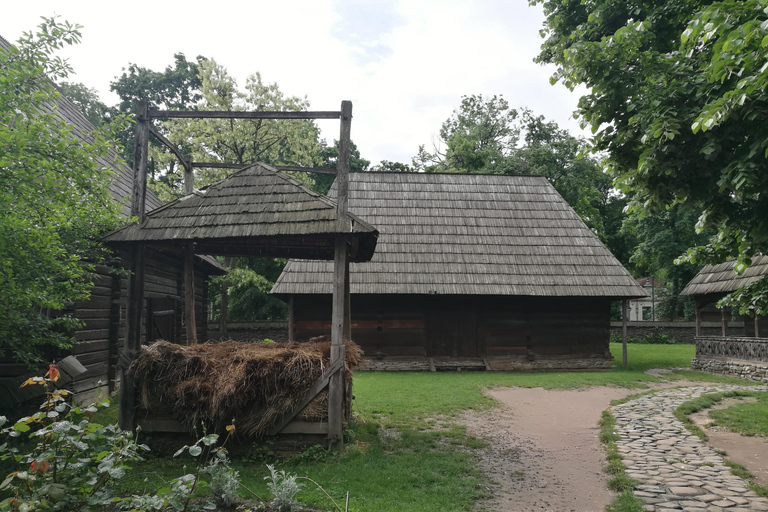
676,470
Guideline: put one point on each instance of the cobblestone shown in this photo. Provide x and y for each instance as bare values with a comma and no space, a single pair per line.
676,470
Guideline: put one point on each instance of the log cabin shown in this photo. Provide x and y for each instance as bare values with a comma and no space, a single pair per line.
486,271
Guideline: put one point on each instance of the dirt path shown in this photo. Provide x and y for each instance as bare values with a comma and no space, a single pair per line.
544,452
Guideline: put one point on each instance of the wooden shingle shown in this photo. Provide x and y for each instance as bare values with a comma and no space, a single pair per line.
450,234
721,278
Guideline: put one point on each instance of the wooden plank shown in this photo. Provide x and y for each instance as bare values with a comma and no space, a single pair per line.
305,427
336,384
138,197
358,324
189,294
432,367
316,388
132,339
97,334
295,168
162,425
233,114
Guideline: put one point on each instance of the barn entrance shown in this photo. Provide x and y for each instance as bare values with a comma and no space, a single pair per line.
452,332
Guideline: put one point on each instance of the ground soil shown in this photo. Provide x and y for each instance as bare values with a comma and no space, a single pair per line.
544,453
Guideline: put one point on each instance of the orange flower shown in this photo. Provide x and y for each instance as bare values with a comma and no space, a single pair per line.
230,428
53,372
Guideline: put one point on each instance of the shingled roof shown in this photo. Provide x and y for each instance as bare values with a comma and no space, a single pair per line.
469,234
256,211
721,278
121,186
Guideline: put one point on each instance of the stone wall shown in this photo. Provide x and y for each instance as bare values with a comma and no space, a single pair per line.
682,332
740,369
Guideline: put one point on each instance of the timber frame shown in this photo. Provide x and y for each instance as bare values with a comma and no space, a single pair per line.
333,378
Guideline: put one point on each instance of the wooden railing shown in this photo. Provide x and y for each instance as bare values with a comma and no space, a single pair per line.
746,349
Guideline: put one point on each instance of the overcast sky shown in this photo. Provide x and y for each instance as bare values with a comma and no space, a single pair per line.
403,64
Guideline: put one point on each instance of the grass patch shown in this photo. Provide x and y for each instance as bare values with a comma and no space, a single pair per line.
708,401
619,481
749,419
742,472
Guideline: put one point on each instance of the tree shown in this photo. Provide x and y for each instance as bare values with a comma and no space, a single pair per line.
243,141
175,88
478,137
329,155
55,199
387,166
662,238
678,101
87,101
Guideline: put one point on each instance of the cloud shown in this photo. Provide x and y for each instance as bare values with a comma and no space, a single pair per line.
366,28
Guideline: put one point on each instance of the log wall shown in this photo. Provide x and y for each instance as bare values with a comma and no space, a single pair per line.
98,343
465,326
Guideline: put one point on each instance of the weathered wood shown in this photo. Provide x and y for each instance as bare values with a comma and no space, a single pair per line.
364,324
138,198
336,385
724,322
291,324
132,339
624,314
319,385
189,293
295,168
342,163
189,175
698,317
757,325
229,114
305,427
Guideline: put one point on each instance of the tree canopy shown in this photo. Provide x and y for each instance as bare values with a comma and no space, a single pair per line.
55,199
678,101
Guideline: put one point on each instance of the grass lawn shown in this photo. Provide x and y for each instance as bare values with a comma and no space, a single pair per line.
749,419
396,460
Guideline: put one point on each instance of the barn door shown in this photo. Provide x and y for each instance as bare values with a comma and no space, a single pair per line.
452,332
161,319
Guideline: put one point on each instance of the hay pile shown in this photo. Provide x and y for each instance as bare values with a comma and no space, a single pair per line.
252,383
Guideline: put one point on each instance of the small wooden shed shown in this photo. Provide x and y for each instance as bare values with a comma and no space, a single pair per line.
734,351
495,270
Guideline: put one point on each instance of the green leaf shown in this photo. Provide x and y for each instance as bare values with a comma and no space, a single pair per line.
195,450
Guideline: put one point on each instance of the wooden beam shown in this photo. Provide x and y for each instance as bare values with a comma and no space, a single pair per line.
342,163
723,322
189,293
132,339
319,385
624,313
697,305
189,175
295,168
291,320
140,149
757,325
227,114
336,385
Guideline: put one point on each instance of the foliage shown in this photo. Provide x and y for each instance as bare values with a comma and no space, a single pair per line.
655,338
73,462
328,156
55,201
175,88
388,166
478,137
486,135
677,100
250,281
284,488
87,101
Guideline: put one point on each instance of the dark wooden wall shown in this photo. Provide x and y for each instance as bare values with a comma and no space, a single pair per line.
98,343
465,326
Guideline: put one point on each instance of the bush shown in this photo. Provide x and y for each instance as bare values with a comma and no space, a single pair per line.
655,338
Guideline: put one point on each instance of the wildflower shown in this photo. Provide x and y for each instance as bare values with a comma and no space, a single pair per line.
53,372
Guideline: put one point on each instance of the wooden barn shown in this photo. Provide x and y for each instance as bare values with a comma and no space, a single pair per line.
736,351
93,368
488,271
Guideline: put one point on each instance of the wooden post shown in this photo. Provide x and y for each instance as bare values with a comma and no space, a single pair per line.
757,325
224,307
336,384
135,308
698,317
189,292
141,146
291,332
347,305
624,312
189,176
724,322
340,271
